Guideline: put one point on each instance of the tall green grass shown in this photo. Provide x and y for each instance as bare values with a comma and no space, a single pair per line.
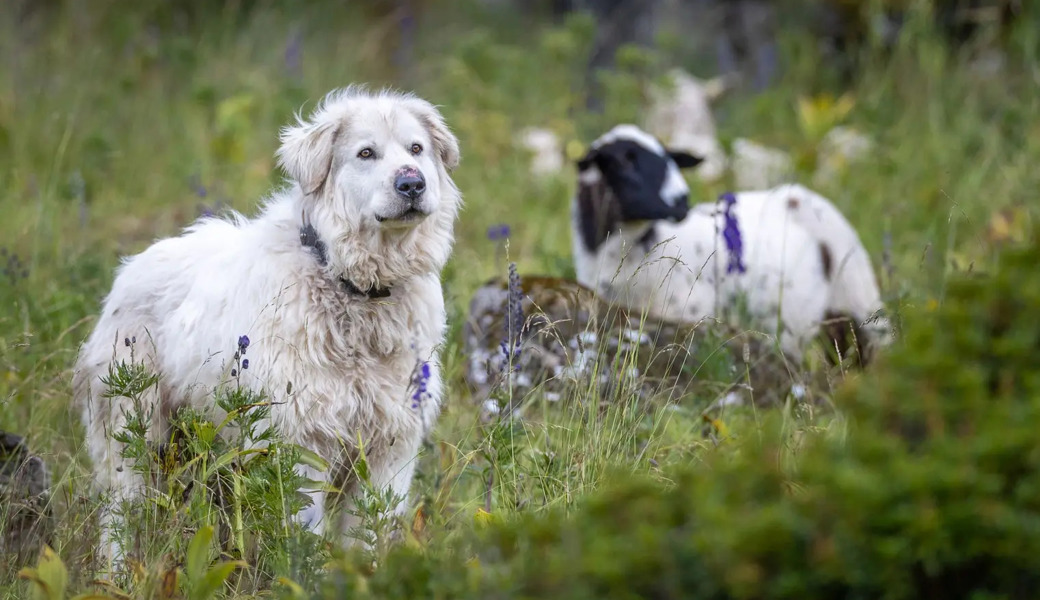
119,124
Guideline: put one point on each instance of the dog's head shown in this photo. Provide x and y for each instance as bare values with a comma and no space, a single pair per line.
375,167
629,176
386,155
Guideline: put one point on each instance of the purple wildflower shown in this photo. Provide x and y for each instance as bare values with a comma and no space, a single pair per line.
209,211
293,52
498,232
731,235
514,319
241,363
197,187
421,380
406,27
14,269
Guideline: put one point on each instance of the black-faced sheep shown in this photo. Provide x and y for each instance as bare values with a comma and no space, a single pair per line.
785,257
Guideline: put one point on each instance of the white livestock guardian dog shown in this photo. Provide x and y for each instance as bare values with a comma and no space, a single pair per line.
785,255
336,283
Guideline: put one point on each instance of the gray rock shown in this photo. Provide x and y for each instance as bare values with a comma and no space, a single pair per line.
25,513
575,345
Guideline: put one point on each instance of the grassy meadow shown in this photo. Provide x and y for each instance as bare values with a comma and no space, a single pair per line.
121,123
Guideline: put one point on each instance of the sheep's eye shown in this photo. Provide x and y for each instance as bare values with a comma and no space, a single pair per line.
630,156
417,149
366,153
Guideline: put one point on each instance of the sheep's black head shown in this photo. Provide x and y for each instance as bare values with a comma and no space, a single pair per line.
629,176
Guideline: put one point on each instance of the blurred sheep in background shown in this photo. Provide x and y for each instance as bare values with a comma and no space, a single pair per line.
681,118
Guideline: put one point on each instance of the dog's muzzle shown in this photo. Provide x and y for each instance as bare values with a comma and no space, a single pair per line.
409,185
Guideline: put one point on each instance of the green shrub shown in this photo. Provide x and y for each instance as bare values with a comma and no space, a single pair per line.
934,492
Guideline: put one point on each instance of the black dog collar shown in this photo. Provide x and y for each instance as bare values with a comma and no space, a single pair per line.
309,239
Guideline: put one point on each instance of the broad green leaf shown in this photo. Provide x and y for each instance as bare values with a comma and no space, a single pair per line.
311,459
50,576
41,591
205,432
215,578
198,554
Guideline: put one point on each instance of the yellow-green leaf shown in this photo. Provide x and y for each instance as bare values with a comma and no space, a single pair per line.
215,578
50,576
311,459
483,518
294,588
718,425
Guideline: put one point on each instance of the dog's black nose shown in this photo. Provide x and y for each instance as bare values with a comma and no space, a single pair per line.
411,185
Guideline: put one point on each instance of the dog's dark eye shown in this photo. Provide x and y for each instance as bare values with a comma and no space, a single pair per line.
366,153
416,149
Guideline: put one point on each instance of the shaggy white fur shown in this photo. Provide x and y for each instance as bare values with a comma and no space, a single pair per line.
350,357
804,262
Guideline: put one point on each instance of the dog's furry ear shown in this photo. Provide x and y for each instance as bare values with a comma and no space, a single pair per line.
306,153
444,140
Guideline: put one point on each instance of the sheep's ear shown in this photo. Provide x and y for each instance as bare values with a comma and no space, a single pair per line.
445,142
718,87
599,213
306,153
588,160
685,160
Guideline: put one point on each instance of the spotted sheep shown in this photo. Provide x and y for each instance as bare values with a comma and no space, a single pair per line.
784,258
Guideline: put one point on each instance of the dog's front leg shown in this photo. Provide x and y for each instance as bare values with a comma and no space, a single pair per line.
117,477
394,472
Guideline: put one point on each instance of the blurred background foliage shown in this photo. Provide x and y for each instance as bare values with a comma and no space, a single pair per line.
121,122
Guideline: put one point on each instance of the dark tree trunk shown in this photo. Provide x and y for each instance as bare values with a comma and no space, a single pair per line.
618,22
